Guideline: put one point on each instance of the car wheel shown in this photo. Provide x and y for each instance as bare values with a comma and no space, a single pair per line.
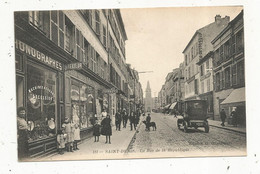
185,124
178,124
206,128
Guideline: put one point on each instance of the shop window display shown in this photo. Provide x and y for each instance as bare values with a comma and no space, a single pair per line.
41,102
82,103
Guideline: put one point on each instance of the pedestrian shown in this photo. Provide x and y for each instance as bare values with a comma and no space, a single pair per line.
223,117
106,128
76,136
234,116
60,141
125,118
96,131
132,120
136,119
118,120
69,131
104,113
22,128
175,113
148,120
76,131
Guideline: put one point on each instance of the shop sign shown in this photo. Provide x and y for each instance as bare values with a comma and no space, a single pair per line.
37,55
40,94
73,66
110,91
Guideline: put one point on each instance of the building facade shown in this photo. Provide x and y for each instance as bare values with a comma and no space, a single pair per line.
136,101
206,82
196,49
69,63
229,70
178,92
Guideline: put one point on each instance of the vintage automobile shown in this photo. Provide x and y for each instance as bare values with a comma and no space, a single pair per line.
194,114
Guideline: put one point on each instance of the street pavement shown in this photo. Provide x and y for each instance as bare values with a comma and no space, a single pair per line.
118,149
169,141
166,141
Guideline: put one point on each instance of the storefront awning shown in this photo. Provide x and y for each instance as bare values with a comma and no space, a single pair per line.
167,106
173,105
236,96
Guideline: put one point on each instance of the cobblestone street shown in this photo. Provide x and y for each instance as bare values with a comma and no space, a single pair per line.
168,141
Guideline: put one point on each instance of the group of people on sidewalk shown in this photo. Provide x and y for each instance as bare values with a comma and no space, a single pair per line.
68,136
105,128
133,117
233,116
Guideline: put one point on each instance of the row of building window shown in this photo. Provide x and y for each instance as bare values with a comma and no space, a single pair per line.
93,19
231,76
116,31
192,54
114,77
203,86
233,46
224,79
191,71
114,51
57,26
204,68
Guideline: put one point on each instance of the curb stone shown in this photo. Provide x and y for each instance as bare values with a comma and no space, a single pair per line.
229,129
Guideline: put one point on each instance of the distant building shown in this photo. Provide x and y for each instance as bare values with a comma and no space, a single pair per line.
135,90
148,98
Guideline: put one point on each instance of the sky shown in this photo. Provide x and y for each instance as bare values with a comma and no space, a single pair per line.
158,36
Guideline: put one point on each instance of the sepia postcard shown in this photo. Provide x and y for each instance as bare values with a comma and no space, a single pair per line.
98,84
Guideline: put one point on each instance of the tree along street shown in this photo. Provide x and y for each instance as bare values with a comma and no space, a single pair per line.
169,139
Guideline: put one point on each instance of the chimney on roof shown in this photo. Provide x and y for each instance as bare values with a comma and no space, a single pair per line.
217,18
227,18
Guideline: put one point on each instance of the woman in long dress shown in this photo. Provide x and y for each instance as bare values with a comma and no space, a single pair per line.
106,128
22,133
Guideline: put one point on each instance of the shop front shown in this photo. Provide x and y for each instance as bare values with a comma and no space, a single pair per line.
235,102
82,105
84,100
38,82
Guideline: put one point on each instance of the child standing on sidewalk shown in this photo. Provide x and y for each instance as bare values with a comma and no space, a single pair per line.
60,142
76,137
96,131
69,130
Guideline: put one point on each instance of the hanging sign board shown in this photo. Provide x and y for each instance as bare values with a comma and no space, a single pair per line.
73,66
110,91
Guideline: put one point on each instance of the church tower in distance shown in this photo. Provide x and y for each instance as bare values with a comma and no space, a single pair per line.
148,98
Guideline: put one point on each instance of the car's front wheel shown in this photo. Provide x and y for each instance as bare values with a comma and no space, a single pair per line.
185,124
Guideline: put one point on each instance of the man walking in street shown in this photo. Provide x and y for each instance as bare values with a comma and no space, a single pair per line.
125,117
132,120
223,117
234,116
118,119
148,120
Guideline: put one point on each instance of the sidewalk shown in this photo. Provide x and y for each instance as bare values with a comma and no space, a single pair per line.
89,149
238,129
